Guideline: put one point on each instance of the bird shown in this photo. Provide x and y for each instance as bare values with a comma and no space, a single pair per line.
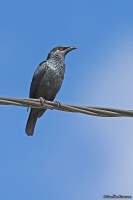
46,82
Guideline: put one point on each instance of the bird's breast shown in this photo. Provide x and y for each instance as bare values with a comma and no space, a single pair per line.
50,84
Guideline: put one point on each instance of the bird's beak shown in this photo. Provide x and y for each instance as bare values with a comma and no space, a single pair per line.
70,49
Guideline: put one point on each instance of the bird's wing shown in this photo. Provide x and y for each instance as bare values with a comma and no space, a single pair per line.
37,77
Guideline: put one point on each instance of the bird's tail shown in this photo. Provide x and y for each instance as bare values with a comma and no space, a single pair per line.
31,122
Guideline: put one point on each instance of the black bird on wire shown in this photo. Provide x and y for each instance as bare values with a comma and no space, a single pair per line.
46,82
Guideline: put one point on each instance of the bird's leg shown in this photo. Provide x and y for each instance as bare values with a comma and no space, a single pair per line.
57,103
27,109
43,101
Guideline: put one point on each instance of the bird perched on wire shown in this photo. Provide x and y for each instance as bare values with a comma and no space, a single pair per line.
47,81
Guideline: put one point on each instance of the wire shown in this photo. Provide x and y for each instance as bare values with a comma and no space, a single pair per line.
89,110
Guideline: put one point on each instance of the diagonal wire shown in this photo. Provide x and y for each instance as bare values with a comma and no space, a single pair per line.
89,110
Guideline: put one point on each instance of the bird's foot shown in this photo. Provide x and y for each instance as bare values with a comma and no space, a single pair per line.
57,103
43,101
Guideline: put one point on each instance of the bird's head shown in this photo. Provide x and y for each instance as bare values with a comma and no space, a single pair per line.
60,51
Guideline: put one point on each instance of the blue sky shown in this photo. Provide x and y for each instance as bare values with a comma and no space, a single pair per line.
71,156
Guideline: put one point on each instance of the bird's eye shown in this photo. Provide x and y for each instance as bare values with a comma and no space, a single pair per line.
61,48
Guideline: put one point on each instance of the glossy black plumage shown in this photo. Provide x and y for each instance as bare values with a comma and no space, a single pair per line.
46,82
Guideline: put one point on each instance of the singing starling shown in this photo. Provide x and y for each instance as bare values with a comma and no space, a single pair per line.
47,81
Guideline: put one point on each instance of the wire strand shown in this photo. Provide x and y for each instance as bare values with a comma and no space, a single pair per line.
89,110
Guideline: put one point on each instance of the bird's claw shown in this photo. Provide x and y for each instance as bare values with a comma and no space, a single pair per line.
43,101
57,103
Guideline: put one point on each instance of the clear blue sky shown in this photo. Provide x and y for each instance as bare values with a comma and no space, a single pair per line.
71,156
